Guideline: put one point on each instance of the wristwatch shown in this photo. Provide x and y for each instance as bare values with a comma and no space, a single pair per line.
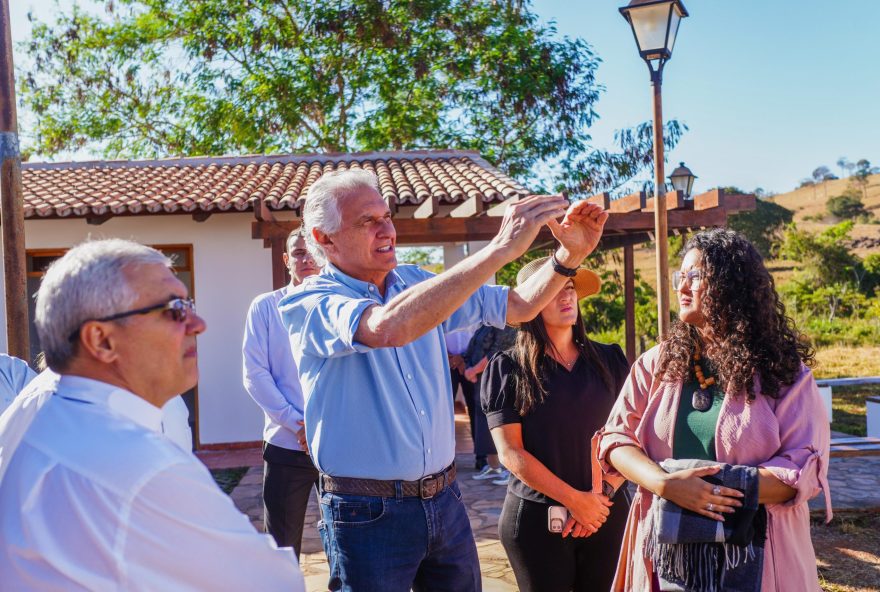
561,269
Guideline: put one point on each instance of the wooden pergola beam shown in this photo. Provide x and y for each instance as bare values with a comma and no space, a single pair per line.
674,201
428,208
435,230
633,202
731,202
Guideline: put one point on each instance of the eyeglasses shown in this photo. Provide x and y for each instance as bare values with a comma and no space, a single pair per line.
179,310
694,279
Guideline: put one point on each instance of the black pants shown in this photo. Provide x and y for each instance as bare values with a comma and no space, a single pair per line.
287,483
543,561
483,444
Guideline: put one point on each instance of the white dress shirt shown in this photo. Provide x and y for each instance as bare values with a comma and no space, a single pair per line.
270,374
175,422
94,498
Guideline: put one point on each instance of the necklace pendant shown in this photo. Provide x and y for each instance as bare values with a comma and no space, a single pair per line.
702,399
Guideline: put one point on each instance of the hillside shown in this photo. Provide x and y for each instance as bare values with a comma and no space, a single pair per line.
809,203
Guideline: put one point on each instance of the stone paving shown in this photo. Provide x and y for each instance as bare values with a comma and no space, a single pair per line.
854,481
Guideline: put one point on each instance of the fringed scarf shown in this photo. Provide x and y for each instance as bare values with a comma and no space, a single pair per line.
694,553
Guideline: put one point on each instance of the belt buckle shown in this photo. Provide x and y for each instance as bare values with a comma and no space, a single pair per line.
426,484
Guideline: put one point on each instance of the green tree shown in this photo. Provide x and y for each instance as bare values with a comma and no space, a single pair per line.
826,257
428,258
847,206
176,77
605,313
863,170
763,225
820,175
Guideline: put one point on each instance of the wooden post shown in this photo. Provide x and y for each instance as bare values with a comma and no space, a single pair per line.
629,298
660,226
12,201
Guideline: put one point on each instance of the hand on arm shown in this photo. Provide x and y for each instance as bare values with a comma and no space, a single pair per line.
588,511
405,317
684,488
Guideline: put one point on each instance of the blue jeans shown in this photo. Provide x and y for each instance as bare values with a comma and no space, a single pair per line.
394,544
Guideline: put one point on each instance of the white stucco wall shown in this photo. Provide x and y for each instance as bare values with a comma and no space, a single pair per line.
230,269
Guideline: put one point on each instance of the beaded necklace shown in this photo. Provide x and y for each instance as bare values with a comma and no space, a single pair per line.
702,398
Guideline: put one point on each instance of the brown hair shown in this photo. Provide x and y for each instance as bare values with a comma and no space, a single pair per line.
531,353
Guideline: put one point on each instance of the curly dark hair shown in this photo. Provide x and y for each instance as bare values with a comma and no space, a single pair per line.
748,331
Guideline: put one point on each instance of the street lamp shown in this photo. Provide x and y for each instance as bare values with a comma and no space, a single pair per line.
655,25
683,180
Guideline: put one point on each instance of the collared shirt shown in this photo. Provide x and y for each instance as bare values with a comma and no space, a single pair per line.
457,342
175,423
270,375
95,498
14,375
383,413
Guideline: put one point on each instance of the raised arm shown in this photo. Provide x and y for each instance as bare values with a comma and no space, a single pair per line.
422,307
578,235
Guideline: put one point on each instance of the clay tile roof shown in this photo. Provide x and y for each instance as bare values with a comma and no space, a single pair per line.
220,184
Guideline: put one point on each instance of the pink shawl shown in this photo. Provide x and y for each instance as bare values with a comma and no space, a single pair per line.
790,436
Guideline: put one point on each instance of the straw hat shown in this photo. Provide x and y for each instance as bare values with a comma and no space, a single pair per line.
586,282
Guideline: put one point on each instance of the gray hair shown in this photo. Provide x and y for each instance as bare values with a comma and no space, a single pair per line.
88,282
322,203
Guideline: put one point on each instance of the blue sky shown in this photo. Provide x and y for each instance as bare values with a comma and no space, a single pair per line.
770,89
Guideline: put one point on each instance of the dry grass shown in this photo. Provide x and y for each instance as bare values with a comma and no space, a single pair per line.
848,552
811,201
850,408
839,362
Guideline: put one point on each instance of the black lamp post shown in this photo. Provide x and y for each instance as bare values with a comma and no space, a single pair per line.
655,25
682,180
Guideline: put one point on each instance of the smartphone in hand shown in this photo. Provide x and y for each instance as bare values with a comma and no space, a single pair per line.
556,518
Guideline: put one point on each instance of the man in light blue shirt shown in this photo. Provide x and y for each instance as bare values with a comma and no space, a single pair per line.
368,338
14,376
271,379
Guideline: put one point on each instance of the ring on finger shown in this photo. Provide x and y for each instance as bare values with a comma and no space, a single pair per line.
710,507
716,490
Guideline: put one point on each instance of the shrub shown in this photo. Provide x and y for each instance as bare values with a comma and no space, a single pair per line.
847,206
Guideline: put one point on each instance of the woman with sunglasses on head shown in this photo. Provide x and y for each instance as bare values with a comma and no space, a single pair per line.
544,398
728,395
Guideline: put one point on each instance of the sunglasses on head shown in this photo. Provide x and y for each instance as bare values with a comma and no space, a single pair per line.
178,309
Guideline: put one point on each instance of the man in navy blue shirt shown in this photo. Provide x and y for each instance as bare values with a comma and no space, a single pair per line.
369,341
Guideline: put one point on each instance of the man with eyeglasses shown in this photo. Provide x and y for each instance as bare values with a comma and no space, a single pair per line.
271,379
92,495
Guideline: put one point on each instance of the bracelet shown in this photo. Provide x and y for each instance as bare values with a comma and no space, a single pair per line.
561,269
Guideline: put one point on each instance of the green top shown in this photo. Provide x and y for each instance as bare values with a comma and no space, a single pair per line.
695,430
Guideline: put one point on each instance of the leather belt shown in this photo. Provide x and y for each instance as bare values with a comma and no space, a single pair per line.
425,488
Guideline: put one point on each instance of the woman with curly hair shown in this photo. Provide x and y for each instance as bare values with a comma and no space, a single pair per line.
722,428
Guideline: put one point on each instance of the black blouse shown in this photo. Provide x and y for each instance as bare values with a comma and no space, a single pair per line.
558,430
